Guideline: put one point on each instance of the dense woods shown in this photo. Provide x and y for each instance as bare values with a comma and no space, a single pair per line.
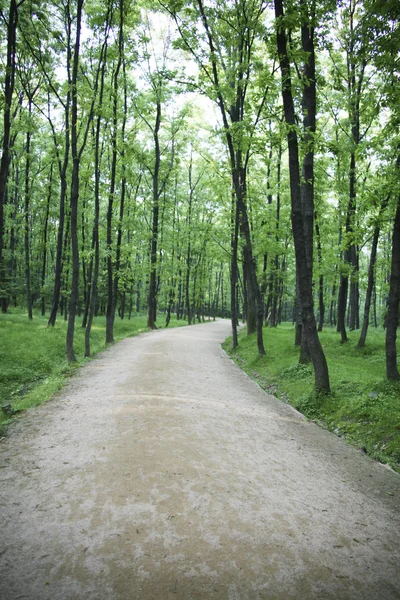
204,158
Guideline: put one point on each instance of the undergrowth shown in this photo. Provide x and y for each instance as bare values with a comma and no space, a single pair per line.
363,406
33,364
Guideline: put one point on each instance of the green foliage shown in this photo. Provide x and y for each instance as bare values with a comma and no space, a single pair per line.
363,407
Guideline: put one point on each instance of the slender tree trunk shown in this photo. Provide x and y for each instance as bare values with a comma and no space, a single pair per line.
112,278
189,247
353,253
238,168
171,293
63,170
321,303
234,274
85,269
342,304
45,231
5,157
351,267
121,50
297,315
152,298
371,279
303,204
275,275
255,306
60,240
332,309
392,318
94,275
27,216
73,302
12,265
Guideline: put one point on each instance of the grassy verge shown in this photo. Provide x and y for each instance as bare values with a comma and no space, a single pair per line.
33,366
363,406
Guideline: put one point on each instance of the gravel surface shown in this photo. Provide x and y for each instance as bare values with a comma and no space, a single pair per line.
163,472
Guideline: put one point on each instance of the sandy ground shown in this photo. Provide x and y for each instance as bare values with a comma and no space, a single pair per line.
163,472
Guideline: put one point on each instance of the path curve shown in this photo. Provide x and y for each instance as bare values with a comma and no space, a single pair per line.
163,472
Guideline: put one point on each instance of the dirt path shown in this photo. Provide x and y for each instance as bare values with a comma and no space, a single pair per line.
163,472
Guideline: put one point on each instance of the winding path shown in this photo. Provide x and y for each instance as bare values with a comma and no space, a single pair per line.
163,472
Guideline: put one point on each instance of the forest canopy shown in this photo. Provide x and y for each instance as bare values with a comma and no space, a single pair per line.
204,158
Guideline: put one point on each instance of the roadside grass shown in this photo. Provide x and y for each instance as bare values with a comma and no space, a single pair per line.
33,365
363,407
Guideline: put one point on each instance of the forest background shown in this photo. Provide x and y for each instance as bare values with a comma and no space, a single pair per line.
209,158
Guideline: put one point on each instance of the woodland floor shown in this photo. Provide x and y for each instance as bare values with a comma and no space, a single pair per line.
163,472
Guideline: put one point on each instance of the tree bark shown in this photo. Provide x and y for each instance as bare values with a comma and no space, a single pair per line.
302,203
189,249
113,274
5,157
393,304
94,274
371,278
234,272
27,216
73,301
63,170
351,262
321,303
152,298
238,168
45,232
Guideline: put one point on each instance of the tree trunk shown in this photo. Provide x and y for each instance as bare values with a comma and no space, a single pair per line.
95,261
255,307
113,279
152,298
392,319
73,301
188,254
303,203
171,294
5,157
12,265
332,308
45,231
371,278
234,273
321,303
342,304
351,261
27,217
238,168
63,170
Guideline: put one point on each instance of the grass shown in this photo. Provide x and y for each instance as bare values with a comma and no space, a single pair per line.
363,407
33,366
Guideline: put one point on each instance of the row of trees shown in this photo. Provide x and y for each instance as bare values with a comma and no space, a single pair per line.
232,158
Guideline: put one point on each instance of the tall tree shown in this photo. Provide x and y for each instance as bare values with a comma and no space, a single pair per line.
224,54
302,189
73,301
9,84
112,274
392,319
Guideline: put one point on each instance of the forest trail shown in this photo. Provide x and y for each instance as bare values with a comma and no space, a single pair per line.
163,472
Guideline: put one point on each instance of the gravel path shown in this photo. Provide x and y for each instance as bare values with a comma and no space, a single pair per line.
163,472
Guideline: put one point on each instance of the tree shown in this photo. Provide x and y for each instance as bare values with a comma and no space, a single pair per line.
112,278
224,53
302,190
9,83
392,319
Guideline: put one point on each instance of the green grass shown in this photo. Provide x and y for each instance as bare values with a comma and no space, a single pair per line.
363,406
33,366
